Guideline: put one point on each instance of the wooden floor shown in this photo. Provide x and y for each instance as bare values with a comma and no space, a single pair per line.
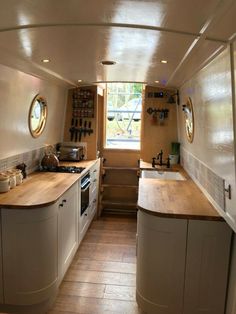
101,278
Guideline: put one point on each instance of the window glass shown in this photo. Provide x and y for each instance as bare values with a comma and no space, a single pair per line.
123,115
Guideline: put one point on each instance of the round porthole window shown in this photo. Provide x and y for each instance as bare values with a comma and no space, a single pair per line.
37,115
189,119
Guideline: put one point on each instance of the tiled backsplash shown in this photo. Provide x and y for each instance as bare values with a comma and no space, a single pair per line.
31,159
208,180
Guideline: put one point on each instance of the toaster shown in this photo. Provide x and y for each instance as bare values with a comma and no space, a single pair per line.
70,153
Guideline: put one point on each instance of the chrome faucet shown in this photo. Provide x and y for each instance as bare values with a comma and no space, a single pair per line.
160,158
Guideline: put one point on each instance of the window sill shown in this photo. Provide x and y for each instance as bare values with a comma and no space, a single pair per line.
128,150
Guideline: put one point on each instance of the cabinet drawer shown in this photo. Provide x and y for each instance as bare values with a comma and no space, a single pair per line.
93,209
83,223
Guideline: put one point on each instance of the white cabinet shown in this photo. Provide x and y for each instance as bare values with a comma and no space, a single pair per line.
94,187
182,265
67,228
38,246
160,264
83,224
1,273
86,218
29,247
206,267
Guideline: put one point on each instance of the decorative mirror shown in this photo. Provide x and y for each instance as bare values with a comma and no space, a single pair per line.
189,119
37,115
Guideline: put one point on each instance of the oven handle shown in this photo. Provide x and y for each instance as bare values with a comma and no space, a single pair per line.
85,187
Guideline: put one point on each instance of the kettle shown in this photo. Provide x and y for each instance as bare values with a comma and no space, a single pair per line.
50,159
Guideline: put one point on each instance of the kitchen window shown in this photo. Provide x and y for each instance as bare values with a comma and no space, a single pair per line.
123,115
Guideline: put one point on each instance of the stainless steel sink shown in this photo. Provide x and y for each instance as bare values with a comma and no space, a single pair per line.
162,175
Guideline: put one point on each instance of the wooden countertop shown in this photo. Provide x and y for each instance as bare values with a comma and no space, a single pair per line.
176,199
41,189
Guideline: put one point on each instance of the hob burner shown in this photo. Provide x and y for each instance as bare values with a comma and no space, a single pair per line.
65,169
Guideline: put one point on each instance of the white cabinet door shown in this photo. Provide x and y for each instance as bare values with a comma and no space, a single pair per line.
1,274
67,228
94,187
208,252
30,270
160,264
83,224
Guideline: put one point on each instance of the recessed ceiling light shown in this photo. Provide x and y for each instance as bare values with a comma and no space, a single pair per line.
156,81
45,60
108,62
163,61
79,81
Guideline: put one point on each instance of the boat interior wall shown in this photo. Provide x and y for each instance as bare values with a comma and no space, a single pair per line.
17,91
158,133
213,144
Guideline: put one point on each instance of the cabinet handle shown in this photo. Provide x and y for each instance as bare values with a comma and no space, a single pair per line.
95,200
85,214
95,180
63,201
95,170
61,205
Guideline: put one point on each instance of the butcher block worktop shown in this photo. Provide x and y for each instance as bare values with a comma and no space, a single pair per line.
176,199
41,189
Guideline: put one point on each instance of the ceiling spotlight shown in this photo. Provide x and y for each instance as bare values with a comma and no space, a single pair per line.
45,60
157,82
79,81
108,62
163,61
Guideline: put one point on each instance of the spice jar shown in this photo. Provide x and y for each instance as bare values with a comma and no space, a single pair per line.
19,176
4,183
12,178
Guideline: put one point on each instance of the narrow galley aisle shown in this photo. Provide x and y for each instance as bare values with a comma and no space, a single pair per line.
102,276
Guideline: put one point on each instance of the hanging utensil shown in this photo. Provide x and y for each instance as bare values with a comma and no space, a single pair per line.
76,130
80,129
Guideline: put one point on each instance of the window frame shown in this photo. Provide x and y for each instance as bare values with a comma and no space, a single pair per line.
105,147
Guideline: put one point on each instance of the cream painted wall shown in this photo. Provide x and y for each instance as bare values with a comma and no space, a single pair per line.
17,90
213,144
155,136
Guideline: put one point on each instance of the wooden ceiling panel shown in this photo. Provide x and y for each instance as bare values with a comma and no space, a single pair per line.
76,35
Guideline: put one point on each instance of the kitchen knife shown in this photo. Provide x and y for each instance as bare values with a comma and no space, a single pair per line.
89,128
80,129
72,130
85,128
76,130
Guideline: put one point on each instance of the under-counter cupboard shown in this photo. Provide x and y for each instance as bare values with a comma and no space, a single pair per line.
183,250
39,243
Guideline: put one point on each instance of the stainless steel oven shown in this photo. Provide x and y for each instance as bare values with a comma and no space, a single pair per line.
84,186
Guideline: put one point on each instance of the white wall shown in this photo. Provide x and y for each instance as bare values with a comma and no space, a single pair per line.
17,91
213,144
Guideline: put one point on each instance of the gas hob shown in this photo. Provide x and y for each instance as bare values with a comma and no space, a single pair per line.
62,169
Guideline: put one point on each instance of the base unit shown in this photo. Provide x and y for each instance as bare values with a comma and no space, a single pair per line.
160,264
182,265
207,260
67,229
30,269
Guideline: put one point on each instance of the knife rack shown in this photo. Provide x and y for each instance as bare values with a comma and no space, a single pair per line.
82,103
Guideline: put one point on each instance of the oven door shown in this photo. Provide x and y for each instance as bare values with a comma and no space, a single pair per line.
85,184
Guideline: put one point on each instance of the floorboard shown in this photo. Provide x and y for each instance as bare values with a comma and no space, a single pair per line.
101,278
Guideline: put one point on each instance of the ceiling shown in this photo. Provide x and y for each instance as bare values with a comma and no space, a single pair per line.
77,35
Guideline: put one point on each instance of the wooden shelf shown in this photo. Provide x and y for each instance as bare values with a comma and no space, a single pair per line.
119,186
118,203
121,168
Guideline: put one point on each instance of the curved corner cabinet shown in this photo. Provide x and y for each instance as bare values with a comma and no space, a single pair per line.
37,247
182,265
